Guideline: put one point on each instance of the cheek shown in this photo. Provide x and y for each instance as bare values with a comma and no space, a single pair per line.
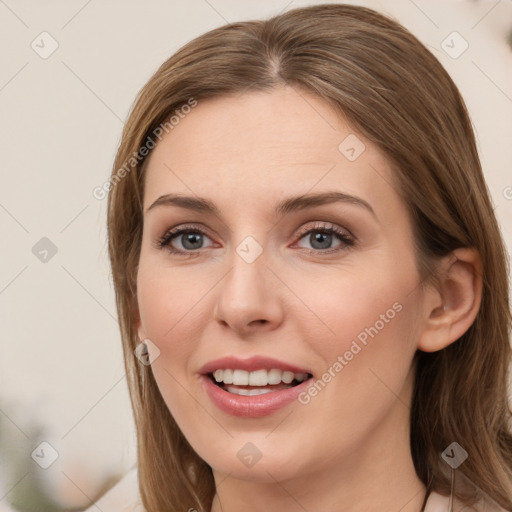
173,307
370,324
167,305
363,303
161,306
366,338
169,302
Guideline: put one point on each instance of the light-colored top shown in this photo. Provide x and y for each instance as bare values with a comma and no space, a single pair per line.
125,497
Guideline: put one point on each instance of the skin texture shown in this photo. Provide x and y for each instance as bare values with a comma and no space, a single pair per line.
348,448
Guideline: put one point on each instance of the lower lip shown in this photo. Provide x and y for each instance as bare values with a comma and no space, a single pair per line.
251,406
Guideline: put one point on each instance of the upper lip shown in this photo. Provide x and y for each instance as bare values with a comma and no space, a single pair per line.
250,364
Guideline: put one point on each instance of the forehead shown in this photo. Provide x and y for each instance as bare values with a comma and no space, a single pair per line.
264,145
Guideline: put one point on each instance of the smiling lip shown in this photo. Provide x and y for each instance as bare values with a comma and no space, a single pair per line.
250,406
249,365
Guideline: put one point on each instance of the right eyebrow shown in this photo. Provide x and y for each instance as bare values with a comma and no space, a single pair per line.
191,203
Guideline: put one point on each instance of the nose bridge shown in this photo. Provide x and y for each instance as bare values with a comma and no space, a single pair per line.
247,278
245,294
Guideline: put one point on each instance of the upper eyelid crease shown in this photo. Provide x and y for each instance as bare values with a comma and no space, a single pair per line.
283,207
176,232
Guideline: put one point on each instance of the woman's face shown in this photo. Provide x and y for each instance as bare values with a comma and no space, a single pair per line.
260,291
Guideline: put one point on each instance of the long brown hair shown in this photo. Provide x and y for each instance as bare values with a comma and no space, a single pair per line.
380,78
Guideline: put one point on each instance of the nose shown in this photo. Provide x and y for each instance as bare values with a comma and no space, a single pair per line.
249,299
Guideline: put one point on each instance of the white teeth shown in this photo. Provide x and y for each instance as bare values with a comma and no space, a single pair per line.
274,376
228,377
247,392
287,377
240,378
258,378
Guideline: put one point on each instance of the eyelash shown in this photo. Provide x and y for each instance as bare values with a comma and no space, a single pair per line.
346,239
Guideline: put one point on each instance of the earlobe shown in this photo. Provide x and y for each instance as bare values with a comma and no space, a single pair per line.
451,305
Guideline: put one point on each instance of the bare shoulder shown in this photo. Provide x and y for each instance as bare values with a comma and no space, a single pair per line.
123,497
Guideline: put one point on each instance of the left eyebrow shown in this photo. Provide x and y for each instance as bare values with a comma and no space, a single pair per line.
285,206
310,200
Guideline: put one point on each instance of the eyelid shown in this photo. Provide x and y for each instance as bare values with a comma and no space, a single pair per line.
321,225
345,236
172,233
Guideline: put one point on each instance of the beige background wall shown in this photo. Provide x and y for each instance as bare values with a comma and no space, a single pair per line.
61,115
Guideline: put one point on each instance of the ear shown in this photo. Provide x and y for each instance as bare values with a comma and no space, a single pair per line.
450,306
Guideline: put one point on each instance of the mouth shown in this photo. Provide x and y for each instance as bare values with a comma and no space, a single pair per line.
255,387
256,382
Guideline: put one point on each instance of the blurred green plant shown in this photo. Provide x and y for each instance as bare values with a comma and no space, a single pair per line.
21,486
